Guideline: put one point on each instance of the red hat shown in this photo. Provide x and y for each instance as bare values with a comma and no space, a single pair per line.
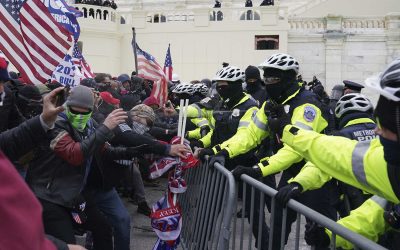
4,76
108,98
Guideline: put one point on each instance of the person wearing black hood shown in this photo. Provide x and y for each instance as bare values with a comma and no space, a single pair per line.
29,101
254,85
9,113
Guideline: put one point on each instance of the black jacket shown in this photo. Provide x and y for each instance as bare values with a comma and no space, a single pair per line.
61,162
9,113
20,140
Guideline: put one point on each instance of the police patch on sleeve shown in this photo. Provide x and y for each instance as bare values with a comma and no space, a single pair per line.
309,113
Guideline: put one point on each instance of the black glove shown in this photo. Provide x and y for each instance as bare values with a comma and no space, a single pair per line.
219,157
277,117
315,235
196,144
254,172
204,152
288,192
204,130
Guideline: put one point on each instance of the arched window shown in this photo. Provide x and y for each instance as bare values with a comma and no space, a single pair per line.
267,42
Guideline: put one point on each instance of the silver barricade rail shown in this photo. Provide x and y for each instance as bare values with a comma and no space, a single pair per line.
357,240
207,207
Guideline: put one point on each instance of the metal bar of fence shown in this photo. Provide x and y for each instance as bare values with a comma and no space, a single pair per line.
206,218
243,213
234,220
231,196
297,238
336,228
261,218
219,226
283,232
217,210
214,212
271,223
251,217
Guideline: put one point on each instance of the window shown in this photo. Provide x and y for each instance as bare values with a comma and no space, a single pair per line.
267,42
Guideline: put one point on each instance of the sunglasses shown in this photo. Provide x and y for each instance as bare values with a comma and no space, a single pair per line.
75,112
272,80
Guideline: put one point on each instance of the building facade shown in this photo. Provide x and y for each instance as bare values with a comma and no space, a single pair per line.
332,39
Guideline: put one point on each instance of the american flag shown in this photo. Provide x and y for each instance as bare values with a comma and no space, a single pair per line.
76,217
168,64
32,39
148,68
79,60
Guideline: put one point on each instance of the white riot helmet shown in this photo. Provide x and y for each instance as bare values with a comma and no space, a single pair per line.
184,88
388,83
229,74
280,61
353,102
200,88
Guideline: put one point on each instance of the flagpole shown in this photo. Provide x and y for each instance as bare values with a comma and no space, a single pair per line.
134,49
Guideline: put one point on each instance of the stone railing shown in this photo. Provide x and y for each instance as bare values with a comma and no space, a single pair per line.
170,16
98,12
347,24
361,24
307,24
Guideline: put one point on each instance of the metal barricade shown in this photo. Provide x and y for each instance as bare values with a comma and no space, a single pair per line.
207,208
357,240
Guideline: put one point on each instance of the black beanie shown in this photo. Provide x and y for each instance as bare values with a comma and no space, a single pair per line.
252,72
30,92
388,113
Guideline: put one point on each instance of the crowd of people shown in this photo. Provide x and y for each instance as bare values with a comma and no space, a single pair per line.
105,3
73,149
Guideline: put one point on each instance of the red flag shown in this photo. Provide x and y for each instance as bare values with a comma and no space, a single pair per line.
32,39
148,68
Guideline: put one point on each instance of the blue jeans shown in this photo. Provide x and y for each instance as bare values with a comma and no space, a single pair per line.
111,205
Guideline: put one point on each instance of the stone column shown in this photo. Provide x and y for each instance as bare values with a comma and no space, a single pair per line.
334,38
392,22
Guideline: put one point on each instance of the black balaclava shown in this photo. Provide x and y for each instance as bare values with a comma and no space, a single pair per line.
388,113
231,93
279,92
253,72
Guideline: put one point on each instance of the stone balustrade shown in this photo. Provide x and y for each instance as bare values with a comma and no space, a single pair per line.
348,24
98,12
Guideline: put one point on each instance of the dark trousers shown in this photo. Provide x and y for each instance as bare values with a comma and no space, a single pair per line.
58,222
318,199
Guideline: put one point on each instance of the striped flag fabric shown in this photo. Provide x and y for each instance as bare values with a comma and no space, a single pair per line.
168,64
148,68
32,39
79,60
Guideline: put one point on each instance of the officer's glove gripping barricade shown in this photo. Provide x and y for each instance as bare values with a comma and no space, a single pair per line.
205,151
277,117
290,191
315,235
392,217
204,131
254,172
220,157
196,144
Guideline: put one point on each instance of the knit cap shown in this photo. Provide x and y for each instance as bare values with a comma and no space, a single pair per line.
143,111
81,96
252,72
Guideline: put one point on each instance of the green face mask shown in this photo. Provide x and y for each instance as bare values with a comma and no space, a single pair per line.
78,121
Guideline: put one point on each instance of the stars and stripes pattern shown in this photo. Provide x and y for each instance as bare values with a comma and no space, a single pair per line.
168,64
148,68
79,61
32,39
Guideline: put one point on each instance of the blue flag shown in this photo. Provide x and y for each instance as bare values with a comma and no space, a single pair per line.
65,15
